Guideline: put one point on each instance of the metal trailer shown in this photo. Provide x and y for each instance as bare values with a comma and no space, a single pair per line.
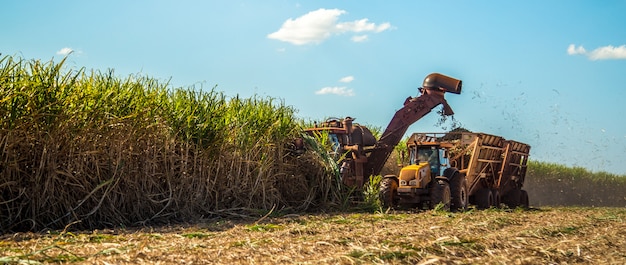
494,168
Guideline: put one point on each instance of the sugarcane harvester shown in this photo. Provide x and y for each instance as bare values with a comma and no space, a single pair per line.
361,155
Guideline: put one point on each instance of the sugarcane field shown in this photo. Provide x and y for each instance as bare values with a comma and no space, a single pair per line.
102,170
320,132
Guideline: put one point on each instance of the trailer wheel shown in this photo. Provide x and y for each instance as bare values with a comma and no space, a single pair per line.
524,199
484,198
440,193
387,192
496,198
458,188
512,198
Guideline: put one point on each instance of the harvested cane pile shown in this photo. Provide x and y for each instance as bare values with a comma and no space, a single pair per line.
94,150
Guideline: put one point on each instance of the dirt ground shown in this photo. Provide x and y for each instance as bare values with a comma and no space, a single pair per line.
536,236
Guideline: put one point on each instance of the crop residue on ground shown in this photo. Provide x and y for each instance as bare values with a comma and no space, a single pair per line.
538,236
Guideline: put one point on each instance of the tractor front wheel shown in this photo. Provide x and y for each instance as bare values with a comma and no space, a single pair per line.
440,193
388,192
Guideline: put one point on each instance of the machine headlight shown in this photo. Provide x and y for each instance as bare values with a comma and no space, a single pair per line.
402,182
413,182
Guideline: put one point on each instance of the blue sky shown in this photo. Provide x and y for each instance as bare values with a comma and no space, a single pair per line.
549,73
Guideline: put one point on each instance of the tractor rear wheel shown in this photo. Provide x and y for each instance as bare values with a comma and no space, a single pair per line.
484,198
524,199
458,188
388,192
440,193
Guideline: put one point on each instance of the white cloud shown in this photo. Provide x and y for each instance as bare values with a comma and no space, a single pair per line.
608,52
361,26
317,26
346,79
359,38
602,53
573,50
65,51
341,91
313,27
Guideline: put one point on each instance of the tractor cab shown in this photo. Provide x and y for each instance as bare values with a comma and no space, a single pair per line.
426,163
434,155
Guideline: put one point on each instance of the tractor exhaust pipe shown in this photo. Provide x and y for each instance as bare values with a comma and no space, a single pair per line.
443,82
347,124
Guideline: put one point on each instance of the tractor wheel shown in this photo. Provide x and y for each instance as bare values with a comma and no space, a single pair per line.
440,193
512,198
388,192
458,188
524,199
484,198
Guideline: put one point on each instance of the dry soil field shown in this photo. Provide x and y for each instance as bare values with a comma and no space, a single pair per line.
537,236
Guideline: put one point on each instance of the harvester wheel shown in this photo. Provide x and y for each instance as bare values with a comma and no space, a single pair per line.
512,198
484,198
524,199
388,192
458,188
440,193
